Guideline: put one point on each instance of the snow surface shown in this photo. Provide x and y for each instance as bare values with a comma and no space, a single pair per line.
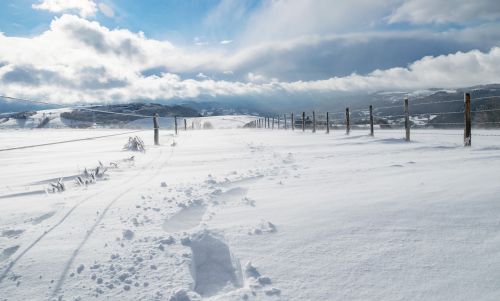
246,214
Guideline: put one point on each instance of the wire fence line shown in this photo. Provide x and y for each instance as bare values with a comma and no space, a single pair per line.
70,140
369,118
317,120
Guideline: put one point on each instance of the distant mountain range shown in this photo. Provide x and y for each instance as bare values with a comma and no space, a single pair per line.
433,107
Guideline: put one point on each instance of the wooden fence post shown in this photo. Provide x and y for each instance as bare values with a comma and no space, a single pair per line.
293,123
192,125
185,124
371,120
273,123
303,121
314,122
347,122
284,119
268,122
468,120
175,122
278,122
327,123
407,120
156,129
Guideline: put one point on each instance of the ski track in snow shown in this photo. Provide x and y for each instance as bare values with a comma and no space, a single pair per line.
68,213
90,231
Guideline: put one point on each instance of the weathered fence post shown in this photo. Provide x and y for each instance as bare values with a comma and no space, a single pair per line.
175,122
156,129
347,122
278,122
192,125
293,122
185,124
273,123
371,120
284,119
327,123
314,122
407,120
303,121
468,121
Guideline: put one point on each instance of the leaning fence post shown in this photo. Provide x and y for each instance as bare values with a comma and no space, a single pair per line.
303,121
314,122
175,123
371,120
327,123
407,120
293,122
347,122
468,121
156,129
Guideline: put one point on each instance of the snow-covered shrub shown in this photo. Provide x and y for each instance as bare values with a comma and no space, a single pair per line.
57,187
135,144
90,177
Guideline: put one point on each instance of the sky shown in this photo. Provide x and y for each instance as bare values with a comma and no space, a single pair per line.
87,51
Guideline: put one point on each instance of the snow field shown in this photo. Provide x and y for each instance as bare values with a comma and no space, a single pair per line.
253,215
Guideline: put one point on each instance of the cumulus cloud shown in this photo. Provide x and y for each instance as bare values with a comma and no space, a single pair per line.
106,10
285,19
85,8
77,60
446,11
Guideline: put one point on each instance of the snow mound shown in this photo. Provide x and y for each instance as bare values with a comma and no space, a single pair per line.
213,267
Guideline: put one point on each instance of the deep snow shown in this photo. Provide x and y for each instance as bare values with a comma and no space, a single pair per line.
247,214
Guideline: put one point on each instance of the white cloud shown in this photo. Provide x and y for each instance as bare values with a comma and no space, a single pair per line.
77,60
85,8
255,78
202,76
106,10
225,42
446,11
285,19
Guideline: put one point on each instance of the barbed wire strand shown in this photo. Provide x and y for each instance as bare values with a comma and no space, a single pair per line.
72,140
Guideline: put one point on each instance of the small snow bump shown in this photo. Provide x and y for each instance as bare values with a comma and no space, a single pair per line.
128,234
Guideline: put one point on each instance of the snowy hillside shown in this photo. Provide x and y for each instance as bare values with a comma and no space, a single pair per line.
245,214
52,119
